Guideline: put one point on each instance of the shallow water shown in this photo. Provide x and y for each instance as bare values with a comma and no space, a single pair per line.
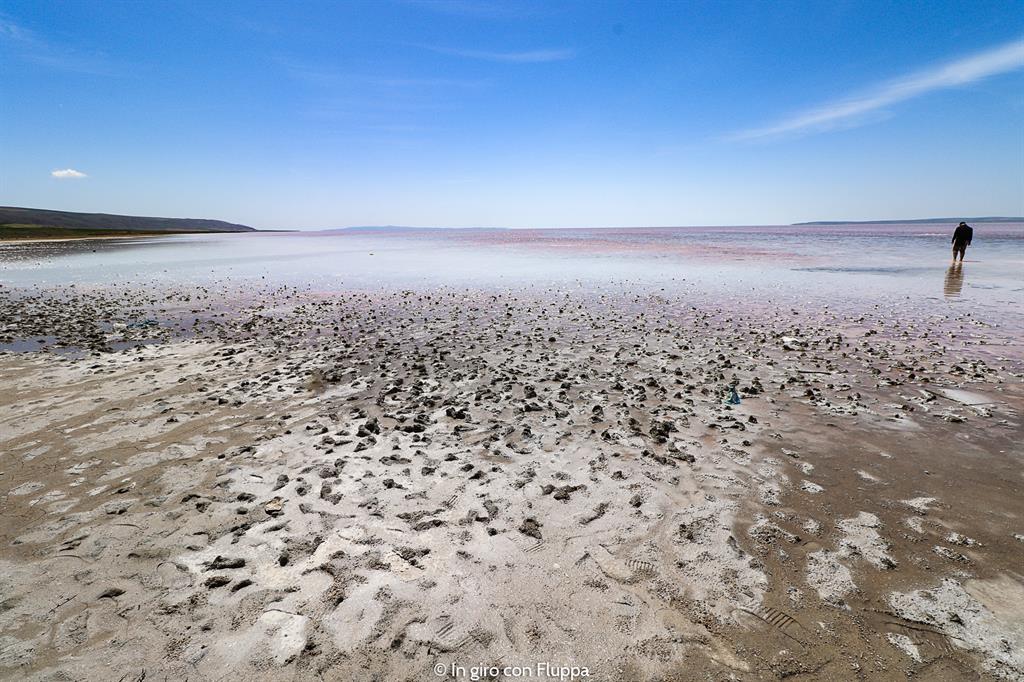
791,265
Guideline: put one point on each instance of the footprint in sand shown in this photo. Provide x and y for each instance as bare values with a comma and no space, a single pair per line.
173,575
717,648
780,620
623,571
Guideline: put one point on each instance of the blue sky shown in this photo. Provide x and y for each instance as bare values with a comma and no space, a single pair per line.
533,114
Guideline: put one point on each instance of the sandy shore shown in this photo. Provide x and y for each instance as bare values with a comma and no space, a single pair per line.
368,487
33,240
69,236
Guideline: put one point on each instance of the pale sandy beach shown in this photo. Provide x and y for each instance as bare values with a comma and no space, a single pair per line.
384,485
507,340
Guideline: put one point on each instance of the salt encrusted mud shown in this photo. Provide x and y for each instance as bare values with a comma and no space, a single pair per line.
354,486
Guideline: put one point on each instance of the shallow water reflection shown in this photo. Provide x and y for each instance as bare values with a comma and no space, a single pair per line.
800,266
954,283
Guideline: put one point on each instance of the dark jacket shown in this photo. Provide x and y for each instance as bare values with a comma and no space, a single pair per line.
962,235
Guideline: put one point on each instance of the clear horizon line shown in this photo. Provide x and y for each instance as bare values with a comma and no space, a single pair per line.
990,218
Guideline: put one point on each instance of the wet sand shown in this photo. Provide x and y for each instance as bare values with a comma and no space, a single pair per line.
32,240
71,235
198,484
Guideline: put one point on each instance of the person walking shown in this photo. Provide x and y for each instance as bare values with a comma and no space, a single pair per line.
961,240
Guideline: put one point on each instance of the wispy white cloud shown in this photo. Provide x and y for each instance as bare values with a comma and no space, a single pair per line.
339,95
521,57
11,32
31,47
313,74
68,174
857,108
483,9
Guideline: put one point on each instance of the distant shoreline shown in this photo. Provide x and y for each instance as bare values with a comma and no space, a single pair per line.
916,221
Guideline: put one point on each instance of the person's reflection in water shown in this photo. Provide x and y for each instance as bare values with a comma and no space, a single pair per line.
954,280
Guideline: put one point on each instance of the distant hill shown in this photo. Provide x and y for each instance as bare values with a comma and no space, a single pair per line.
984,219
27,218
